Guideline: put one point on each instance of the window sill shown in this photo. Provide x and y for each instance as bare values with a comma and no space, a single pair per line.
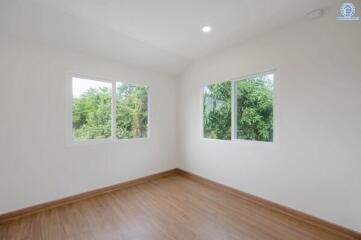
104,141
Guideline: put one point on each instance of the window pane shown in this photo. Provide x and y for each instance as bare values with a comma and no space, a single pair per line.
92,102
255,108
131,111
217,111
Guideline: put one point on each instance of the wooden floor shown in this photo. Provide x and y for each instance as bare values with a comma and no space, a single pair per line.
173,207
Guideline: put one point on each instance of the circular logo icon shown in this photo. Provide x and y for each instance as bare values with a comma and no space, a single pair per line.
348,10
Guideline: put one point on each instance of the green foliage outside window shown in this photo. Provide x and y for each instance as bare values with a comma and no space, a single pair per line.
92,111
131,111
255,108
217,111
254,119
92,114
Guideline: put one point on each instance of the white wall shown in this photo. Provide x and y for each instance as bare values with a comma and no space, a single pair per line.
36,163
315,165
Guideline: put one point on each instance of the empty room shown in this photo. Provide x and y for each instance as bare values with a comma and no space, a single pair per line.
180,120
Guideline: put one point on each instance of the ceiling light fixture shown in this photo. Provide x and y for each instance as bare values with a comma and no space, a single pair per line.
206,29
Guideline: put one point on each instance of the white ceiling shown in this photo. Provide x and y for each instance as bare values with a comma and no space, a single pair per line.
161,35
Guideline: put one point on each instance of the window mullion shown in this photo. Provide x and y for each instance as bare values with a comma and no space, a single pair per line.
114,100
234,111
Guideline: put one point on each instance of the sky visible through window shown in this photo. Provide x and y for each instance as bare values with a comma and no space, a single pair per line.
80,86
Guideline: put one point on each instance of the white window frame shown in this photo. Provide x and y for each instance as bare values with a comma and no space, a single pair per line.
275,105
113,138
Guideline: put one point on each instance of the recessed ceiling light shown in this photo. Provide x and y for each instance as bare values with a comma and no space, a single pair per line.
206,29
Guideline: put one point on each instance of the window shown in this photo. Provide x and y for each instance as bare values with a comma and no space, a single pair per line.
92,107
108,110
255,108
248,101
217,113
131,111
